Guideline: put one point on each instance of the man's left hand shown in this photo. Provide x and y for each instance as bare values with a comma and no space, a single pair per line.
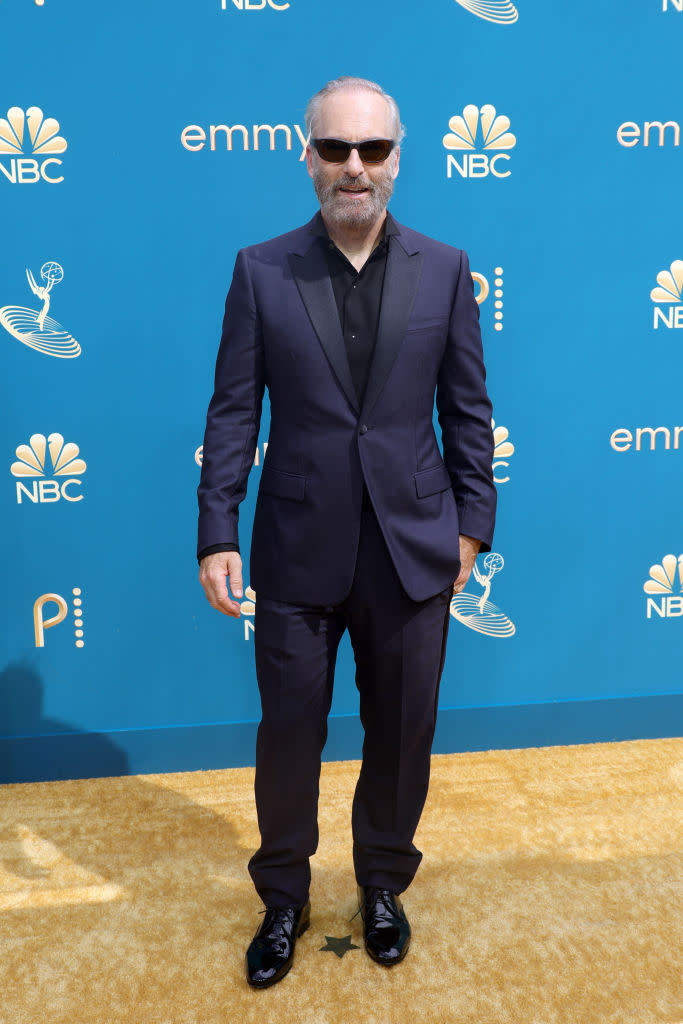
469,549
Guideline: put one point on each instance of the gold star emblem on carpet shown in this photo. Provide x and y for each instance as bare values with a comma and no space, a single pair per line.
338,946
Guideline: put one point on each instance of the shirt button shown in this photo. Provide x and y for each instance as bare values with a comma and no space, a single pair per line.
353,336
363,429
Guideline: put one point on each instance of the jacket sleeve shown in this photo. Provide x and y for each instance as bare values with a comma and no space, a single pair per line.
464,412
234,414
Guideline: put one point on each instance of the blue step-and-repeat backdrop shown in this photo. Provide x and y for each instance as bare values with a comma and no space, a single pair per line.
141,145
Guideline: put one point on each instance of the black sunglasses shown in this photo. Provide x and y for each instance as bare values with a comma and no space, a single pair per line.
338,151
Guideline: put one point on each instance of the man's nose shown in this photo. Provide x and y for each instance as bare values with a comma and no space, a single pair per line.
354,165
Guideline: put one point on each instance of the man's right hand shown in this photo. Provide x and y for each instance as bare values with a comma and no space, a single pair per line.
213,570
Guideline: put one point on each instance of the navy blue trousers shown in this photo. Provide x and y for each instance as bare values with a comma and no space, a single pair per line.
399,647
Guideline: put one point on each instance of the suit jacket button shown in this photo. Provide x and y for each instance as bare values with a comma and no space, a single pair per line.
363,429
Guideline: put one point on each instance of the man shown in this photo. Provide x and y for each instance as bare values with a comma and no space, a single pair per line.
353,322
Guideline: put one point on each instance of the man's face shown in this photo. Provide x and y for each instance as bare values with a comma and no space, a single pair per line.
353,194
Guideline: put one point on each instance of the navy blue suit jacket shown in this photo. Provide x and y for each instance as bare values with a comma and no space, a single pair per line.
281,330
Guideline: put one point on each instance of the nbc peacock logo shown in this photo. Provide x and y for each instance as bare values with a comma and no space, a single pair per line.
45,457
33,327
503,449
665,578
256,5
668,297
29,142
483,129
502,12
476,611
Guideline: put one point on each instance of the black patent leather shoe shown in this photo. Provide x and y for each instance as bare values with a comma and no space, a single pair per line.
385,926
271,951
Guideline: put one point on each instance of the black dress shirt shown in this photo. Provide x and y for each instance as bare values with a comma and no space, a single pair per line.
358,296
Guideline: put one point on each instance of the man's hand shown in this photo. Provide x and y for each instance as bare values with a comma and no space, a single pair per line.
212,572
469,549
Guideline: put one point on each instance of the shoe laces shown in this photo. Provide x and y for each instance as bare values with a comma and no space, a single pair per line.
279,925
385,897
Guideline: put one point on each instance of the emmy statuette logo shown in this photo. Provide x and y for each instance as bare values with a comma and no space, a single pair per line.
41,622
48,457
33,327
482,129
28,142
665,578
668,297
502,12
477,612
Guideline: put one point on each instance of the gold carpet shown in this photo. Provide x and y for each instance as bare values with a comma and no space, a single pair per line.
550,893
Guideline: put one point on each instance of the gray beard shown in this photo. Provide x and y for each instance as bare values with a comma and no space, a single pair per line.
339,211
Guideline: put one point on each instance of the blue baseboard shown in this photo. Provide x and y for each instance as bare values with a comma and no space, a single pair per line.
79,755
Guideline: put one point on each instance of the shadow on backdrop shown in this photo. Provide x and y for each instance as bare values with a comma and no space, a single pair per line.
34,747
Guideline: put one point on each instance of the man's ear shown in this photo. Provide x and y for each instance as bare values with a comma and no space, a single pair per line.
309,160
397,157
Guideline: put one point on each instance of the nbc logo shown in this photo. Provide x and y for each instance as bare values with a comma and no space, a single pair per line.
669,291
501,11
476,611
30,140
40,623
465,135
64,461
255,5
483,293
664,577
33,327
503,449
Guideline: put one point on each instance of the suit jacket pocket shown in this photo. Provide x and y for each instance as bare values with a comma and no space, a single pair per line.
431,481
283,484
427,327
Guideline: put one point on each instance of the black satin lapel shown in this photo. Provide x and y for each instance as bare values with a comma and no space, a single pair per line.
313,281
401,280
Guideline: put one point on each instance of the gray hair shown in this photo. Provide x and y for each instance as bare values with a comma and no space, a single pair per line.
349,82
